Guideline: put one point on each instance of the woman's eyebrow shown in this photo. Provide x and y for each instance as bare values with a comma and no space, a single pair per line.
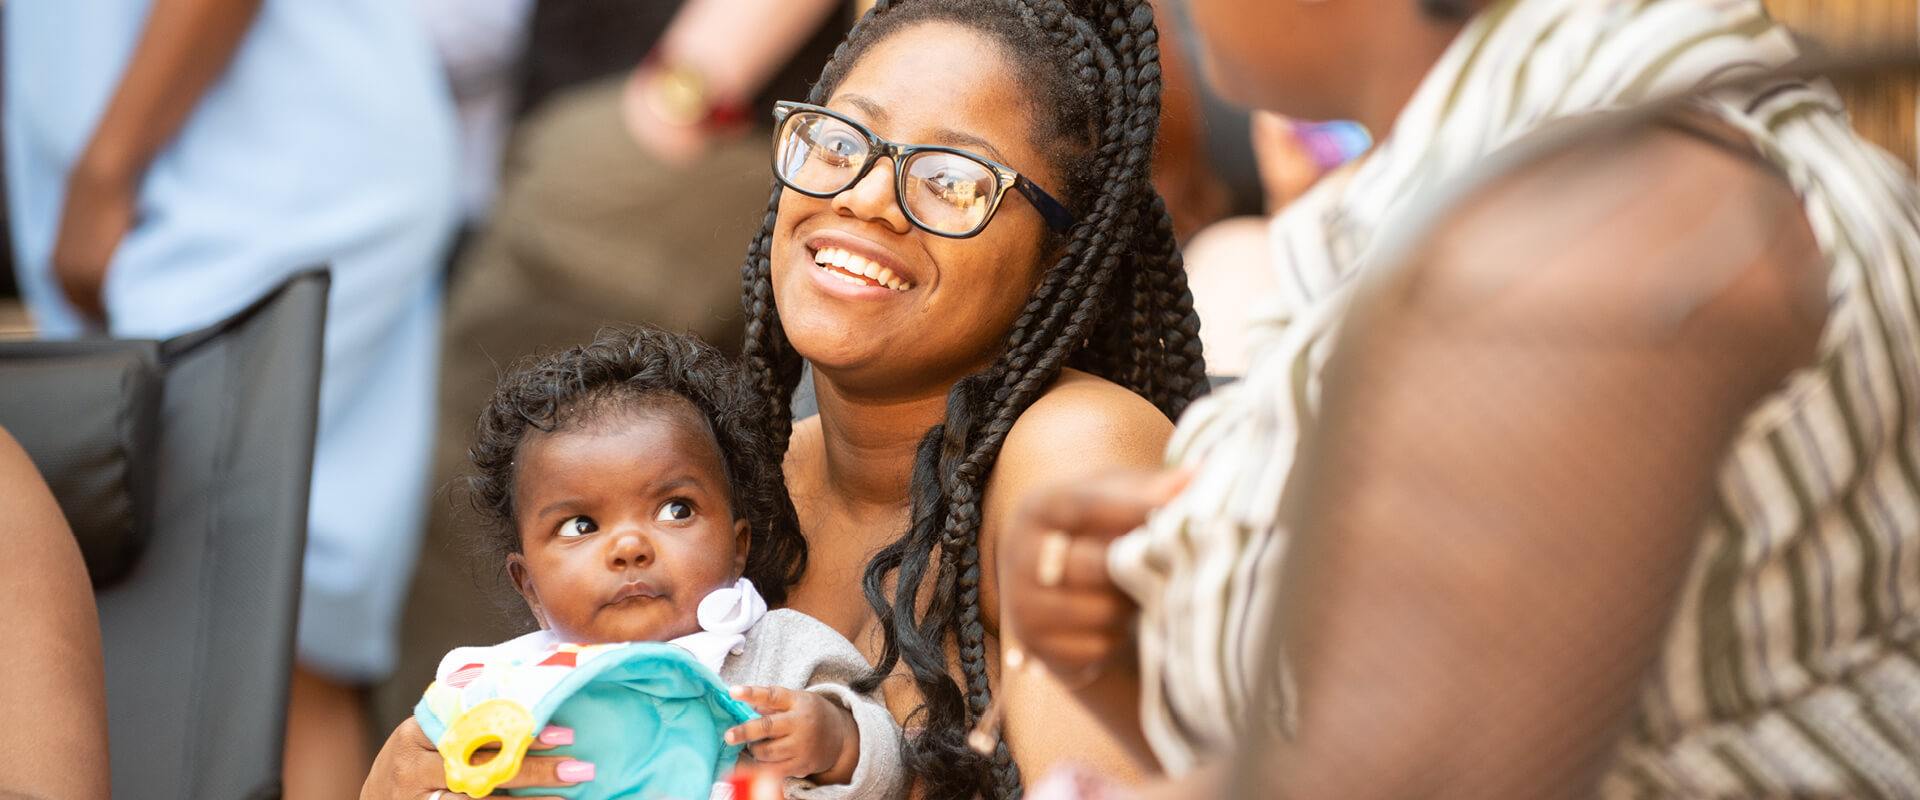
969,141
946,136
873,110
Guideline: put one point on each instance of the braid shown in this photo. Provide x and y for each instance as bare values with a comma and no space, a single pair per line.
770,359
1114,302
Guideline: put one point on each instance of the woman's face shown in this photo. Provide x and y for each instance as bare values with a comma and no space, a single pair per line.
947,308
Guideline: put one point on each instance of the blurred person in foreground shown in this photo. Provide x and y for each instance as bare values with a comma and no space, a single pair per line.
1613,488
51,670
171,161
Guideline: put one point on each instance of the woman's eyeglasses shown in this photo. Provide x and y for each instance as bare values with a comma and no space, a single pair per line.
943,190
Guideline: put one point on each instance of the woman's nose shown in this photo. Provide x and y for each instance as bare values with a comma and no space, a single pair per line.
873,198
629,547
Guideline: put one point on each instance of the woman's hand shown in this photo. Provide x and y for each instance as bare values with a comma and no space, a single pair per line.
1059,601
410,768
799,733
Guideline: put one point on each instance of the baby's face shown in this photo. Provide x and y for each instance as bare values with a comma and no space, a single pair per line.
624,525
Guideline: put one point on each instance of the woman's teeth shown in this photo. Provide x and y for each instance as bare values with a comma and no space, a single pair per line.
850,267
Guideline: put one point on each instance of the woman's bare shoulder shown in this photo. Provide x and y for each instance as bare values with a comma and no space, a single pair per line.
1085,423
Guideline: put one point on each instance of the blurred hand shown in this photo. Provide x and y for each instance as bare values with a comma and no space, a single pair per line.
1059,601
799,734
674,144
410,768
97,216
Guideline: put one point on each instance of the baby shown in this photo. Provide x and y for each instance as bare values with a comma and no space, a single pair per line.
635,497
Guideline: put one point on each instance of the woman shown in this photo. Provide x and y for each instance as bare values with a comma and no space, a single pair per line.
1611,490
1014,313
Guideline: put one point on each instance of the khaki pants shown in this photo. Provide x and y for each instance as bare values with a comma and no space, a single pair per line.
589,231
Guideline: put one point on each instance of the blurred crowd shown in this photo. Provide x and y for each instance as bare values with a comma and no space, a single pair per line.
492,180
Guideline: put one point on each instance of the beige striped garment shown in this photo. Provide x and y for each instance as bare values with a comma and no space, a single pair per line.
1792,665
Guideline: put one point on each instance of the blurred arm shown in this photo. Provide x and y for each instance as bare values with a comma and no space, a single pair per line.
185,46
734,46
51,675
1521,440
738,45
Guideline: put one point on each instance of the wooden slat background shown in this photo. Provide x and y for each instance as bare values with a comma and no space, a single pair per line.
1883,110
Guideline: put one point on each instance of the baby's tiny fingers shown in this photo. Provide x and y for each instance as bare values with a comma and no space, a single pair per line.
773,753
752,731
764,699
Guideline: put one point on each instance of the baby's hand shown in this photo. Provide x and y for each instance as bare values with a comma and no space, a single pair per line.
799,733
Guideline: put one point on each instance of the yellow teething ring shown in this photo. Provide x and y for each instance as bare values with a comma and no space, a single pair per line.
500,721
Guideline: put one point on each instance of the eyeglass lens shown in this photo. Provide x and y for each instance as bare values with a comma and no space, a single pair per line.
946,192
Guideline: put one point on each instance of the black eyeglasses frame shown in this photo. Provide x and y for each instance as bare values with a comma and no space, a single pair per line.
1053,211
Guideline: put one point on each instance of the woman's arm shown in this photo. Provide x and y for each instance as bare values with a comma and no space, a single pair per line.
1521,440
185,45
1082,428
52,680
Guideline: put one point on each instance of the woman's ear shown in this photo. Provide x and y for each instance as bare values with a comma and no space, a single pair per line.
742,542
523,583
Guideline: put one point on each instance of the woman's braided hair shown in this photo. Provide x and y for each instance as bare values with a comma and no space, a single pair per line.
1115,303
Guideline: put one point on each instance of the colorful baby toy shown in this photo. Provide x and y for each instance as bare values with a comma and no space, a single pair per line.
648,715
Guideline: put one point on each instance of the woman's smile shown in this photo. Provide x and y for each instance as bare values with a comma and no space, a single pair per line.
854,267
857,269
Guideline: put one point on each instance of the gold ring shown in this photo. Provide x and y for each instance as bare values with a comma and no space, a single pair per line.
1052,566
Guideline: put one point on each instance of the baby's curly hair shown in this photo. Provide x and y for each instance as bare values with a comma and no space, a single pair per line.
633,368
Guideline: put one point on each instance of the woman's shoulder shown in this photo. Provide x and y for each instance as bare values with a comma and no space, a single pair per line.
1088,419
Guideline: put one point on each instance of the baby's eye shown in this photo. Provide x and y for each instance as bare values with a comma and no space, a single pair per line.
577,526
675,509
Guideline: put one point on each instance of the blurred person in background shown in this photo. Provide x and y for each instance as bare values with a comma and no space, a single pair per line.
171,161
1614,488
1227,261
480,44
636,171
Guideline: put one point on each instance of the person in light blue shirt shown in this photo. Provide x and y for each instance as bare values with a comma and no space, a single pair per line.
169,162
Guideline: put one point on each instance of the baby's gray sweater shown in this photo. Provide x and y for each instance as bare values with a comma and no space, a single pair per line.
791,649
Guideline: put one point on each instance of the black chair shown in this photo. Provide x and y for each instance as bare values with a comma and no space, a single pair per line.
183,467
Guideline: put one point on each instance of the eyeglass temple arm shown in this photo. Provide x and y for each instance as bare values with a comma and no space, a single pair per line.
1051,210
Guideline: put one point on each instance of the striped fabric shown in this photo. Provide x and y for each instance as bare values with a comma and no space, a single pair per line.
1793,666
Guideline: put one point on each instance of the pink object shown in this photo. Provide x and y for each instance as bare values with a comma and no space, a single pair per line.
556,735
574,771
1074,782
